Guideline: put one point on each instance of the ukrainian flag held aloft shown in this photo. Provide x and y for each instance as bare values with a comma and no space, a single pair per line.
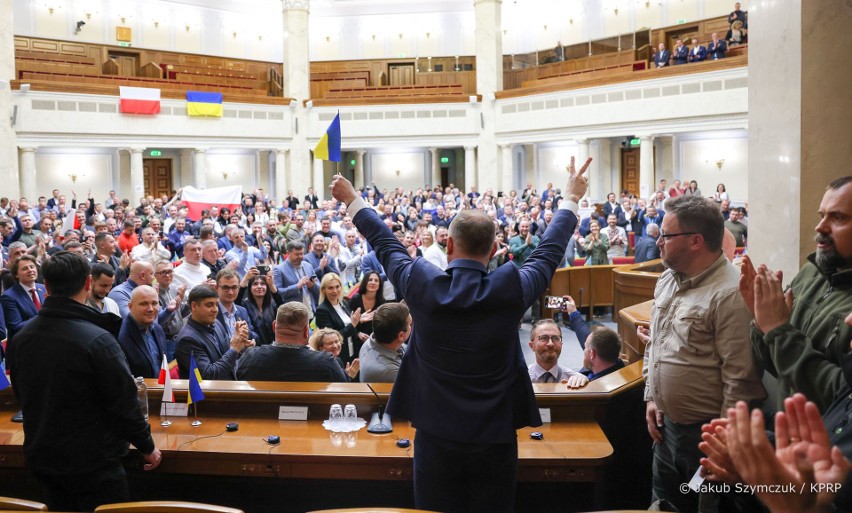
204,104
328,148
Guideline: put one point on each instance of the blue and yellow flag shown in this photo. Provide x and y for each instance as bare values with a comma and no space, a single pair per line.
195,393
4,381
328,148
204,104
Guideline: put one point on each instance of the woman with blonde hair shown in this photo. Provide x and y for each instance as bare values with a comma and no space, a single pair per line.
330,341
334,312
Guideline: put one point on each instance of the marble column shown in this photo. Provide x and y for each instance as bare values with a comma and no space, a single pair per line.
115,172
436,166
319,179
798,125
137,174
508,169
667,159
186,164
359,168
199,169
536,172
8,139
281,183
297,84
29,186
489,79
469,168
646,166
582,155
676,170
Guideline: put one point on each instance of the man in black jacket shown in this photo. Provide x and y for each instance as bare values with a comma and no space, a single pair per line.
77,395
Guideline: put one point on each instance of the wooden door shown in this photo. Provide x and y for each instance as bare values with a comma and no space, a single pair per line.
128,63
157,177
401,74
630,170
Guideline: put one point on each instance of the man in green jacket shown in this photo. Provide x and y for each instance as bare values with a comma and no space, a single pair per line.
798,335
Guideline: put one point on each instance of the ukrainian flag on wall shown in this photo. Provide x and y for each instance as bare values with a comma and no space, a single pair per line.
204,104
328,148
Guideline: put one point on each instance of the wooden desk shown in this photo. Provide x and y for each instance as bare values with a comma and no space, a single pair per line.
315,469
628,319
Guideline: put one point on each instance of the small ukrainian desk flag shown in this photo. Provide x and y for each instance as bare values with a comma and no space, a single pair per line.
194,394
328,148
204,104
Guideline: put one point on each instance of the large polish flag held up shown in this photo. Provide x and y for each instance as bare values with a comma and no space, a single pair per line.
139,100
197,200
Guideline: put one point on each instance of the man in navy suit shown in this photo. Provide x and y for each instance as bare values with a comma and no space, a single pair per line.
661,58
698,52
717,48
463,382
204,337
681,53
141,338
295,278
24,299
228,287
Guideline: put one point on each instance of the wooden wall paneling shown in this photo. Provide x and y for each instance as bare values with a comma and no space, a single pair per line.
43,45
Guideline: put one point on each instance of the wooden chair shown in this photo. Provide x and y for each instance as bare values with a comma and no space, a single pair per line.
13,504
164,507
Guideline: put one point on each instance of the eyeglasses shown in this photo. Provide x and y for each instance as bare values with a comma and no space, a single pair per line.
164,273
545,338
670,235
229,288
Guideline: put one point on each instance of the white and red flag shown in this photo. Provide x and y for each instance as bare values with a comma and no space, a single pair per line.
165,379
197,200
139,100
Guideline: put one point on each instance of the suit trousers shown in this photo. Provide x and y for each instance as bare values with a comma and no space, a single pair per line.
85,492
459,477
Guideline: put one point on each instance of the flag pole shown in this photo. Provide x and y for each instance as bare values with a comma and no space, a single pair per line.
196,422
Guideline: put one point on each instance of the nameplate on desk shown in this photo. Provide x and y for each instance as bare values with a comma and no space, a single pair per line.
292,413
174,409
545,414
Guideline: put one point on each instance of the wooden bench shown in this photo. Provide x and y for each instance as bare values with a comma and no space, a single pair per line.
53,57
396,91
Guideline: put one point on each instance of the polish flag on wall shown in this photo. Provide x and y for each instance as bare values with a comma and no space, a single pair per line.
197,200
139,100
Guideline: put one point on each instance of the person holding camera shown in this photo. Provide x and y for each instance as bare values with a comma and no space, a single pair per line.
260,297
246,256
295,278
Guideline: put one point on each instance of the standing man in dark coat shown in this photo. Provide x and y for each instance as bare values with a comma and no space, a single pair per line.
77,395
465,352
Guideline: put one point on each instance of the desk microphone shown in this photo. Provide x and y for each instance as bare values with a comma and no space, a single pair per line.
380,423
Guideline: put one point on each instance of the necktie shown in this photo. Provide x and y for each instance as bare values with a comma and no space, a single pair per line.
36,301
546,377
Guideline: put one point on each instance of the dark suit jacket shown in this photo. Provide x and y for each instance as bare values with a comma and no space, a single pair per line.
716,51
136,350
270,363
241,315
286,280
313,199
697,57
464,377
331,267
607,209
662,58
646,249
681,55
327,317
209,345
18,307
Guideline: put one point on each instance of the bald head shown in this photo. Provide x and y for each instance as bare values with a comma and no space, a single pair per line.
144,305
472,233
729,245
142,273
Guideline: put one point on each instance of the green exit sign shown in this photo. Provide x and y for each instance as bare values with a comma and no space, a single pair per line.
155,153
124,44
634,142
445,160
352,162
681,22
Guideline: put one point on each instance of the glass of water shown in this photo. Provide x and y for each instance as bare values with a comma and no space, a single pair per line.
335,415
350,414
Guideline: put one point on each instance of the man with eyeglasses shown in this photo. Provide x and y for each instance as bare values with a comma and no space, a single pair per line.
698,360
171,301
546,343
